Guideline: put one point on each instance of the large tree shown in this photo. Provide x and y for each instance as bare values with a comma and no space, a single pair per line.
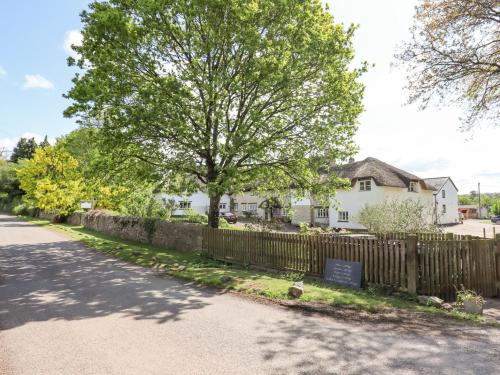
221,92
51,181
454,56
24,149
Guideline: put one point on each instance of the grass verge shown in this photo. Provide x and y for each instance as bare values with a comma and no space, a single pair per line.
199,268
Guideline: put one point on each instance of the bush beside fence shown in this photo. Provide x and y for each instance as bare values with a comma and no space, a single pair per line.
426,266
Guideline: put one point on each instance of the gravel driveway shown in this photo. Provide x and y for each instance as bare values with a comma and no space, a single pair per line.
474,227
65,309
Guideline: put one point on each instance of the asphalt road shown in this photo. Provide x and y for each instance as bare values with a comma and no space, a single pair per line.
65,309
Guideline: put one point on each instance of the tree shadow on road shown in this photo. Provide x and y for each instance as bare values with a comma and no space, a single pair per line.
65,281
370,349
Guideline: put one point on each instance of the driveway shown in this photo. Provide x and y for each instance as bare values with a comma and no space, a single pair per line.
65,309
474,227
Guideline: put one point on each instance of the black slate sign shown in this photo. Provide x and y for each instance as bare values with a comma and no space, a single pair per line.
343,272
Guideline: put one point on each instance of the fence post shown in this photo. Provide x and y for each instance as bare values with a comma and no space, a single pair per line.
412,263
497,261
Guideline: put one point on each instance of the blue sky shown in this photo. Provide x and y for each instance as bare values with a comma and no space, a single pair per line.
34,36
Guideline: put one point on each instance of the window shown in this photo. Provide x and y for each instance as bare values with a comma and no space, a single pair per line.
343,216
184,205
321,212
444,208
365,185
235,206
252,206
222,206
243,207
413,186
443,193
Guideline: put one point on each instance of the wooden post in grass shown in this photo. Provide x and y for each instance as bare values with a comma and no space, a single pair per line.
412,263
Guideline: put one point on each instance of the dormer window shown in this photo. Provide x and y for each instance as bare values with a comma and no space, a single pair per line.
413,186
365,185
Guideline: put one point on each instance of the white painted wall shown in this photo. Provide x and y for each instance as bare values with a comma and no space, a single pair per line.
354,200
451,202
200,202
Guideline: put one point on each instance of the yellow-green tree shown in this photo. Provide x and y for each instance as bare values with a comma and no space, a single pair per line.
52,181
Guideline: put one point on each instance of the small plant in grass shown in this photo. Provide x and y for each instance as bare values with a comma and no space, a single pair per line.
378,289
292,276
471,301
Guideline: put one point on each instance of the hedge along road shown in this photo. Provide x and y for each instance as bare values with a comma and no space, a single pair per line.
65,309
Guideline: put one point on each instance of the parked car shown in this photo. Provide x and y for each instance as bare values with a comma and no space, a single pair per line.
495,219
229,216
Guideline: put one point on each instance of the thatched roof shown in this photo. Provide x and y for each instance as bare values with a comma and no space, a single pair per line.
437,182
382,173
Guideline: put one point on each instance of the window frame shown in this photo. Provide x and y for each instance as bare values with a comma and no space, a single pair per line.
443,194
343,216
235,206
413,187
243,207
443,208
185,205
365,184
222,205
321,212
250,207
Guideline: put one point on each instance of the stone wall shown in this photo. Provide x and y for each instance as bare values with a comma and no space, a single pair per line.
46,216
172,235
75,218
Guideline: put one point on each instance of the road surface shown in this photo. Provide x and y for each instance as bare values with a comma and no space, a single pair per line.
474,227
65,309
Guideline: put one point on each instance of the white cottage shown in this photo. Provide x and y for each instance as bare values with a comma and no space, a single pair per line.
198,202
445,200
372,181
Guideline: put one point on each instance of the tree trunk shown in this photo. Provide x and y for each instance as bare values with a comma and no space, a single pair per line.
213,212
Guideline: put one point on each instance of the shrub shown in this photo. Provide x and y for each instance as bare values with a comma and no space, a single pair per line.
223,223
397,216
192,216
495,208
468,295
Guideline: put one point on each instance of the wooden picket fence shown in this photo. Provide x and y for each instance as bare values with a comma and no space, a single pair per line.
425,236
424,266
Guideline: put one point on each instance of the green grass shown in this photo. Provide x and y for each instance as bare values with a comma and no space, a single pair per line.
201,269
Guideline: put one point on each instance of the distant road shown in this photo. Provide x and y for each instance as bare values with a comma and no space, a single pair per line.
65,309
474,227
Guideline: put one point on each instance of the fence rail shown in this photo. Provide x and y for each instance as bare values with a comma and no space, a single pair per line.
425,265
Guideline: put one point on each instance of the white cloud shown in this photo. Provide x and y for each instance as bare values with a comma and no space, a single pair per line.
36,81
73,37
3,72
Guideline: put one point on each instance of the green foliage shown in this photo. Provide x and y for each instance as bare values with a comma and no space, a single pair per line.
44,143
192,216
226,93
397,216
495,208
24,149
9,184
487,200
52,181
107,184
142,202
292,276
464,294
223,223
150,227
465,200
